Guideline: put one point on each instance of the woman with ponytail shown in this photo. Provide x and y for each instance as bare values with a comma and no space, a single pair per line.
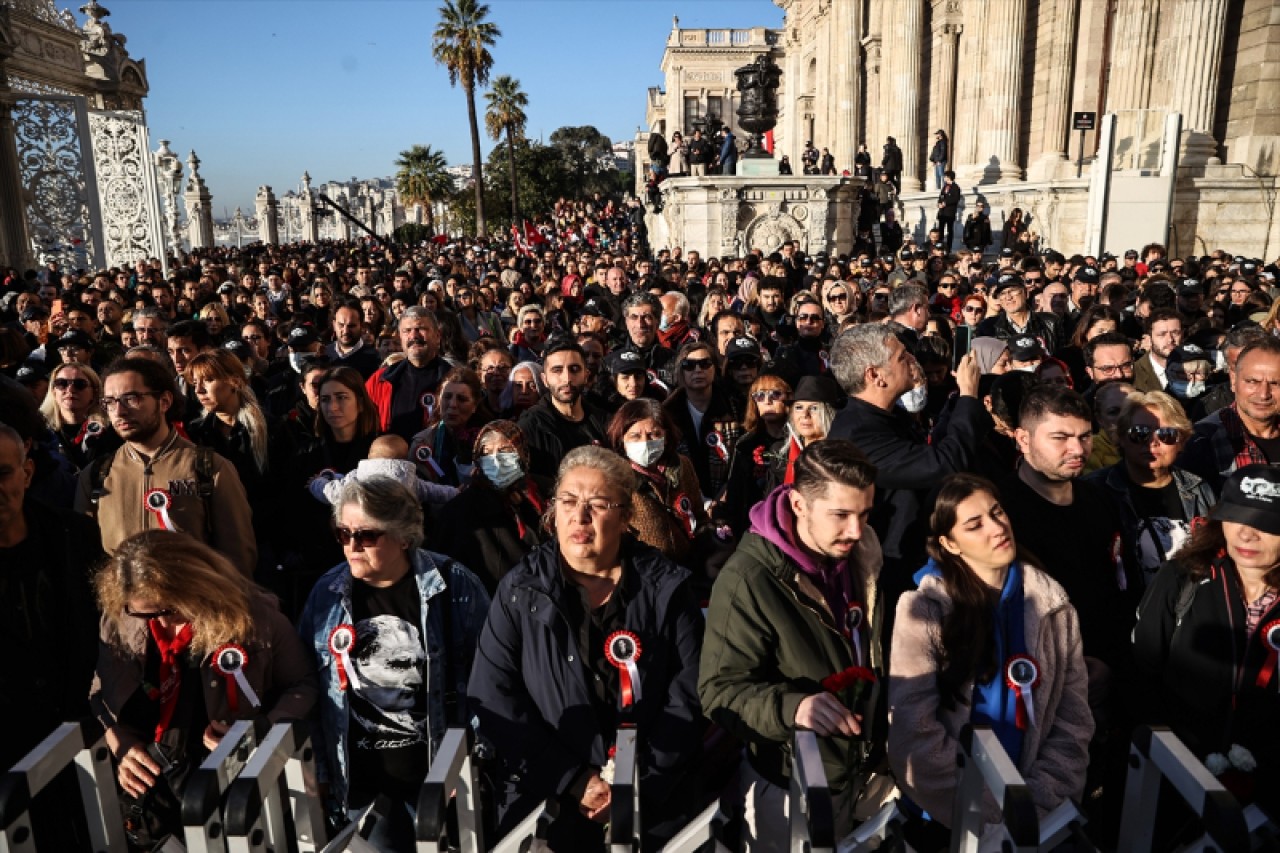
986,638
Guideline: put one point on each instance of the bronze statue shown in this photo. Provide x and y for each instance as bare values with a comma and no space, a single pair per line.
758,106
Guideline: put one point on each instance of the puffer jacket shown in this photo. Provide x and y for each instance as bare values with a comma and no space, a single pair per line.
771,639
923,734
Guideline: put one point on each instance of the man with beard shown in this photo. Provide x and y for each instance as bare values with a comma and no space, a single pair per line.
707,415
348,348
642,313
159,479
562,419
808,355
1164,328
398,390
773,308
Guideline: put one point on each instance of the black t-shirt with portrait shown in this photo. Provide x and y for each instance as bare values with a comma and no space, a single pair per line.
387,730
1165,527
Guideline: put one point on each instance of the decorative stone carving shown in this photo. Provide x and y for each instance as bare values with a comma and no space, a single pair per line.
54,176
268,210
800,212
169,177
199,206
36,87
126,187
45,10
770,231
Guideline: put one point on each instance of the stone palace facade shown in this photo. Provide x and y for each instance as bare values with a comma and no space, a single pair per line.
1003,78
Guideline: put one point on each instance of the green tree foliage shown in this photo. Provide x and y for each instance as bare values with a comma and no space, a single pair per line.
422,177
583,150
461,43
505,114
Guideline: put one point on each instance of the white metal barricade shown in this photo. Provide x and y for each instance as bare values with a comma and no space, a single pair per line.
78,743
813,820
202,823
452,776
702,834
275,803
1156,753
624,808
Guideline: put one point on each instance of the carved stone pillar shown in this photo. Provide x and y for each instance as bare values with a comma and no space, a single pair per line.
199,206
947,40
268,210
1001,74
1133,50
1057,118
845,36
904,27
1198,37
874,136
15,246
968,118
310,225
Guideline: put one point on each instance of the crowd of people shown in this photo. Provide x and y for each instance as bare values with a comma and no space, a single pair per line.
563,484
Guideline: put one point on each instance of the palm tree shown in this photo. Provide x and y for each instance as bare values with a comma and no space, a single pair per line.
461,44
422,177
506,113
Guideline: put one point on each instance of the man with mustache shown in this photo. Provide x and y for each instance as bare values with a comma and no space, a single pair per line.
405,392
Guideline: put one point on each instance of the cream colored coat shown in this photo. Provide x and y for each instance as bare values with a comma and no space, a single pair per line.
923,736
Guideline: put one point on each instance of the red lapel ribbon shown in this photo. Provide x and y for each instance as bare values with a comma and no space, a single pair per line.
157,502
342,639
1023,674
622,649
229,661
1271,637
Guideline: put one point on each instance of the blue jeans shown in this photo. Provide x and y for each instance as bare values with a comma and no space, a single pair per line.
938,169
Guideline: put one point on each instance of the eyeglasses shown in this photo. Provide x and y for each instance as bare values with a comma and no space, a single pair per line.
1140,434
149,614
363,538
837,297
808,318
495,368
252,338
76,384
1108,369
128,402
744,361
946,285
692,364
597,506
769,396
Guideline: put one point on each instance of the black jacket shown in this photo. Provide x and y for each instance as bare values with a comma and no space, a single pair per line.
531,694
949,198
1199,674
892,161
479,529
723,416
1040,324
549,436
977,231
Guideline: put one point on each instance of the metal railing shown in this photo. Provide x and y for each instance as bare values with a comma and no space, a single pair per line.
275,803
813,819
79,743
452,775
202,800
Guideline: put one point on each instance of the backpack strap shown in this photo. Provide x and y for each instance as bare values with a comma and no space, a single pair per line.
101,468
204,486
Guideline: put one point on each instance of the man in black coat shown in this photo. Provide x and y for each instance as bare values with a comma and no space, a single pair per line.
891,163
563,419
875,369
948,207
1017,320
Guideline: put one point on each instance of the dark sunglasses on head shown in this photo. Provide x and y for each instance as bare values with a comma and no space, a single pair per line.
1140,434
77,384
362,538
149,614
696,364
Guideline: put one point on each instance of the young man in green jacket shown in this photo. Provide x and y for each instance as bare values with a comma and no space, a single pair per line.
793,612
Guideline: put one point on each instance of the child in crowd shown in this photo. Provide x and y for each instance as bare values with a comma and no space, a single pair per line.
386,459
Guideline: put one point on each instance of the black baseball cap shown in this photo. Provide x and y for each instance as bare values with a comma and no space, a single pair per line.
301,337
742,347
1005,282
625,360
1087,274
1026,348
1251,496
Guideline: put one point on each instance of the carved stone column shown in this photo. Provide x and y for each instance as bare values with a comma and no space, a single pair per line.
947,40
1057,120
1001,74
310,226
874,136
1198,37
15,246
968,118
1133,50
845,36
268,210
199,206
904,27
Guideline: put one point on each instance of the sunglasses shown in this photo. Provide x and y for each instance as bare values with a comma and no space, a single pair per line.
691,364
149,614
76,384
973,309
769,396
837,297
1140,434
808,318
362,538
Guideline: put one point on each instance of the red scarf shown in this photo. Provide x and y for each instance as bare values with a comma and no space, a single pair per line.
170,672
793,453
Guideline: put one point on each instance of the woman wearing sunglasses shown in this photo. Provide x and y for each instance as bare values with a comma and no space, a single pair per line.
72,410
188,646
392,631
768,405
1157,502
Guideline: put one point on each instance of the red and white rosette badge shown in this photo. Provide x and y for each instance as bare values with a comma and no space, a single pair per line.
1270,637
853,618
622,649
716,442
428,406
158,502
1023,674
684,508
342,639
229,661
424,457
825,359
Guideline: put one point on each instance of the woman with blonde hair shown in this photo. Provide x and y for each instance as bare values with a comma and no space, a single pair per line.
215,319
188,646
72,409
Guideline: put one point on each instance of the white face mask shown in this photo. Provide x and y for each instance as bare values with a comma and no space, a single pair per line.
501,469
296,359
645,453
914,400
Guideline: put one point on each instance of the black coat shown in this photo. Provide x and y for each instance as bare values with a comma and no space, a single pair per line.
530,692
1041,324
478,528
892,161
977,231
549,436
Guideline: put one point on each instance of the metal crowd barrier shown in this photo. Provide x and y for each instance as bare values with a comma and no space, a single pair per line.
624,808
78,743
1156,754
813,819
274,804
203,827
453,774
984,765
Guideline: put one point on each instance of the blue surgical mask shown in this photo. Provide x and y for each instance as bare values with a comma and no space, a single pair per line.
1188,390
914,400
501,469
664,323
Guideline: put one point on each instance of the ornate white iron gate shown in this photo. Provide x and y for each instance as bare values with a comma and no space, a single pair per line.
128,194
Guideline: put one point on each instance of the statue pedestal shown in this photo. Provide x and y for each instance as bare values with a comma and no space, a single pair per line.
719,216
758,167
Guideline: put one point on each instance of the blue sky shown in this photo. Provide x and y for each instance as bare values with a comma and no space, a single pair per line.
263,89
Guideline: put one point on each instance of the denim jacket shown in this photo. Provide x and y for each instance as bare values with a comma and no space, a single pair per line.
329,605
